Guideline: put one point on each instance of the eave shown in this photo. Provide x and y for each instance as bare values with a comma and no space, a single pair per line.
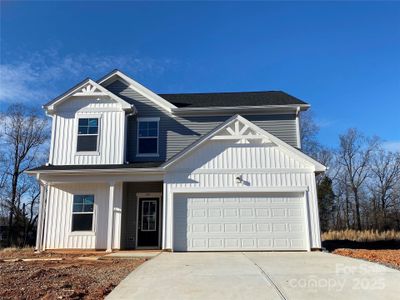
116,171
220,110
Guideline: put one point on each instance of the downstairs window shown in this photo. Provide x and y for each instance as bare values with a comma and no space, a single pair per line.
82,213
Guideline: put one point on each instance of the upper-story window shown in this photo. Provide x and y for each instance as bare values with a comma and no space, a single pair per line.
88,134
148,129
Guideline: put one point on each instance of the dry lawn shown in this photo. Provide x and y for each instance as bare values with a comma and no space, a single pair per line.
361,236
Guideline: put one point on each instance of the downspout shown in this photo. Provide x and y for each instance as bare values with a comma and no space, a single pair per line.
126,131
41,216
298,127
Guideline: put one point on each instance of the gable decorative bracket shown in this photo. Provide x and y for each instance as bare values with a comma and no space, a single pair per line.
90,90
240,132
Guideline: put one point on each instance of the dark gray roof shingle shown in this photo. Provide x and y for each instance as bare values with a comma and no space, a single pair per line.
231,99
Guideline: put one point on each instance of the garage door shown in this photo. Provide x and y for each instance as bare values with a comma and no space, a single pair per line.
227,222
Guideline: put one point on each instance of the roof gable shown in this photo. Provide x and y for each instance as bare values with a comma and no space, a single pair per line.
87,88
243,131
142,90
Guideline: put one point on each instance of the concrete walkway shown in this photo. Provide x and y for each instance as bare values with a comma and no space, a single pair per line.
255,275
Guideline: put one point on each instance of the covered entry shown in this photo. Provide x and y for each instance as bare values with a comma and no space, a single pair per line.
142,215
241,221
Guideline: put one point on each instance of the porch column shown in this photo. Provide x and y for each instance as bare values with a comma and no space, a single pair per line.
110,216
39,230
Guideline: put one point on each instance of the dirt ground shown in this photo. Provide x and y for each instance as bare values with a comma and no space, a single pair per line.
69,278
390,258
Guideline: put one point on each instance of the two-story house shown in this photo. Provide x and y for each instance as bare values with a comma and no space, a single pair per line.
130,169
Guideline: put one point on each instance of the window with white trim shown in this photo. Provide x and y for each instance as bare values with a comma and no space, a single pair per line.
82,213
147,140
88,134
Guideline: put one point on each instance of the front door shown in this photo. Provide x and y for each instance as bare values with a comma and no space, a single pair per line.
148,223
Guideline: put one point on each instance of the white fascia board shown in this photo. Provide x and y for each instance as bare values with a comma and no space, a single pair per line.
241,189
318,167
94,172
168,106
261,109
50,107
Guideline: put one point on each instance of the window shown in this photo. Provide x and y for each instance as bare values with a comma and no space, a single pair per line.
88,132
148,137
149,215
82,213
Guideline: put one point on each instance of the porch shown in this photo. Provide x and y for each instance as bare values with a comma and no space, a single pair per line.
117,205
141,223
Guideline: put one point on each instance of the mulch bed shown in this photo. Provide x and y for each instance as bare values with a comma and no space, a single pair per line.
390,258
332,245
69,278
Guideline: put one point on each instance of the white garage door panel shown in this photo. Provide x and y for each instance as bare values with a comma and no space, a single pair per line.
224,222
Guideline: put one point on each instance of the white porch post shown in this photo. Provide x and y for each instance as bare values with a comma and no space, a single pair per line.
110,216
39,230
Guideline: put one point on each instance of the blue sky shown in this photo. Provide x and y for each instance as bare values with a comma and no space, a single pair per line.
341,57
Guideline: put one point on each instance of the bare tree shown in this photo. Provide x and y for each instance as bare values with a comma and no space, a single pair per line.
24,132
385,171
308,134
353,158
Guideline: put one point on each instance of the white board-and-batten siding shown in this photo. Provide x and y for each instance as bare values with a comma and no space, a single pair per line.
58,234
111,138
214,167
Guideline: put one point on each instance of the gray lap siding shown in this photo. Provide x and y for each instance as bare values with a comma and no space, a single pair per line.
176,133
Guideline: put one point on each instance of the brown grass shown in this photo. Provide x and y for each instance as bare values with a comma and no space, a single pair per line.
361,236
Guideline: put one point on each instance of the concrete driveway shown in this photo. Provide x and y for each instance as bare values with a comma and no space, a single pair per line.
255,275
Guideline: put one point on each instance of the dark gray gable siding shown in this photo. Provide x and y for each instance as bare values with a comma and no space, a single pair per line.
176,133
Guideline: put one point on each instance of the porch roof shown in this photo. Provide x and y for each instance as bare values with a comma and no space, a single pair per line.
136,165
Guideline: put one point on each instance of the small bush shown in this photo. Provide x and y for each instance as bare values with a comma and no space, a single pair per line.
361,236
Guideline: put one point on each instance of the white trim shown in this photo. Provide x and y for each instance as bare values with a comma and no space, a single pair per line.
144,196
109,78
50,107
254,109
238,137
94,221
307,220
52,140
298,137
79,116
147,119
40,222
150,119
241,171
148,195
241,189
110,217
290,150
100,171
46,223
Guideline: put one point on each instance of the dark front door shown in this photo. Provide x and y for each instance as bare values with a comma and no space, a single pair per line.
148,222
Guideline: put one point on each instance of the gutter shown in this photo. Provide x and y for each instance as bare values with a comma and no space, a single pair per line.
103,171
